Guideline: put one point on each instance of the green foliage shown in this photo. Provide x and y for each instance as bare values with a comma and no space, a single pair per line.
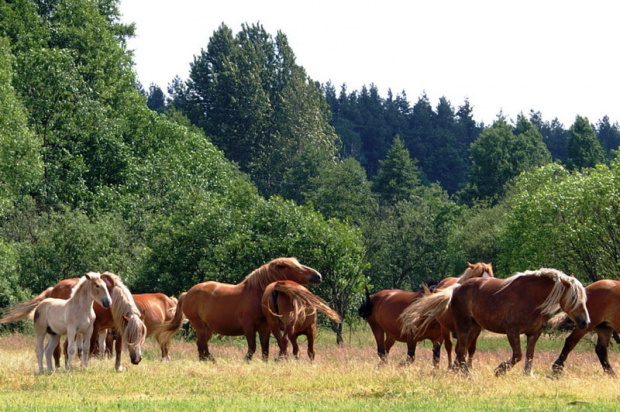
409,243
398,178
565,220
584,149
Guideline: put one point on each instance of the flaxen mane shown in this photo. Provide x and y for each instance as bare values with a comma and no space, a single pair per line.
476,270
305,303
125,313
574,295
266,274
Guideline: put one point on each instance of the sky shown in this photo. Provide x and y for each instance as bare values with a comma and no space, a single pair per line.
561,58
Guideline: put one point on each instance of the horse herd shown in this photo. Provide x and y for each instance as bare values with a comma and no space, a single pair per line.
273,300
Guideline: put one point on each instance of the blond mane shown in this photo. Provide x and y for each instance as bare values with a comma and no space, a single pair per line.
574,295
476,270
124,308
268,273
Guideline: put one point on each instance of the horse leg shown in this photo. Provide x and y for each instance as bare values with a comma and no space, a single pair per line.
281,338
380,339
467,331
203,335
39,351
471,350
49,350
295,346
529,352
57,353
517,354
310,335
604,337
250,336
118,348
411,347
86,341
165,349
71,347
101,342
263,337
436,352
569,344
447,340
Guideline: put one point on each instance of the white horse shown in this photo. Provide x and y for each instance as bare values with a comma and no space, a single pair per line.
74,317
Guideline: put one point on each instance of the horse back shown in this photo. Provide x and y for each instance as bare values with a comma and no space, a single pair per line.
388,305
155,309
226,309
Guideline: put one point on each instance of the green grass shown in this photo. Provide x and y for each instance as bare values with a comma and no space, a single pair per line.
345,378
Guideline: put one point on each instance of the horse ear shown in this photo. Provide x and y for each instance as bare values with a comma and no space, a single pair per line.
126,318
470,265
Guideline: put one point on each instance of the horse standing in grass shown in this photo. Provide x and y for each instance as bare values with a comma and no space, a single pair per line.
73,317
157,311
604,309
521,304
383,309
292,309
233,310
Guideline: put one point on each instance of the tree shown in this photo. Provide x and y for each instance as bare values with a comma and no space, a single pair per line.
399,177
608,135
584,149
155,99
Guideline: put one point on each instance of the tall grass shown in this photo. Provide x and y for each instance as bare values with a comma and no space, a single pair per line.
341,378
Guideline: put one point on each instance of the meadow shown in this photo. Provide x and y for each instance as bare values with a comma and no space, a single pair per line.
341,378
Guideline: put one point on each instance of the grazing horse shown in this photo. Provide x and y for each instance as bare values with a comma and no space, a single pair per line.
233,310
604,309
291,308
521,304
383,309
74,317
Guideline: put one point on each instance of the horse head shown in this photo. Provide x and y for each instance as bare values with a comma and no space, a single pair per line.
573,302
98,289
291,269
134,335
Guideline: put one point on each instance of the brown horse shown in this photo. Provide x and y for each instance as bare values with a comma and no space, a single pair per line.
233,310
157,312
74,317
383,309
521,304
291,308
604,309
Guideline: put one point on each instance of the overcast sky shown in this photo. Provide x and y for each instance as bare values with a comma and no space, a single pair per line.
561,58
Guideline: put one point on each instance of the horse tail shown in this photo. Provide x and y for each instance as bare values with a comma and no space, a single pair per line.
26,308
303,300
168,329
417,317
365,309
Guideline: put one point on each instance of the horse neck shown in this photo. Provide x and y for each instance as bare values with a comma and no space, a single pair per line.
259,279
122,304
81,298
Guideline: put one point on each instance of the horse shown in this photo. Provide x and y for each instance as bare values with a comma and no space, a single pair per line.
292,309
233,310
383,309
73,317
521,304
124,316
604,308
157,311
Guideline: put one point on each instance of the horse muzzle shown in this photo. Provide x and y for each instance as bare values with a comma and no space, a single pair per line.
105,302
582,322
135,358
316,278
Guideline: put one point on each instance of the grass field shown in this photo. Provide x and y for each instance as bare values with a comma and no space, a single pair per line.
341,378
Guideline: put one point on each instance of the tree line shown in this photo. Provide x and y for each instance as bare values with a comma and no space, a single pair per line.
250,159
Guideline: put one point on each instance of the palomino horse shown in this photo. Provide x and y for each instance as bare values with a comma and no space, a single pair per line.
74,317
521,304
383,309
123,316
604,309
233,310
291,308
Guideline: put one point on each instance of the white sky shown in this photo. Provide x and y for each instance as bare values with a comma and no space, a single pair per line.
559,57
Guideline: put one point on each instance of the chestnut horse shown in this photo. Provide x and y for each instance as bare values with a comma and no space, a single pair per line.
291,308
604,309
74,317
521,304
383,309
233,310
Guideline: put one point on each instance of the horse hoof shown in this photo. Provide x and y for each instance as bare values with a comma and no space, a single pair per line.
120,369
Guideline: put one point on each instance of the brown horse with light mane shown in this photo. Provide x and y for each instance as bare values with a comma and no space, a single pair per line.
292,309
233,310
383,309
521,304
604,309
